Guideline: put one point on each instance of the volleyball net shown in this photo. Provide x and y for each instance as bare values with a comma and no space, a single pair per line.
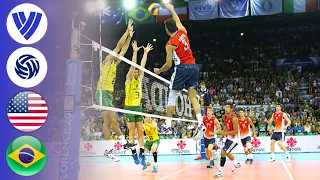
97,73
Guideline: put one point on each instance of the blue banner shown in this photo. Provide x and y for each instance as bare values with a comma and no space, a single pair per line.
265,7
70,144
203,9
307,61
234,8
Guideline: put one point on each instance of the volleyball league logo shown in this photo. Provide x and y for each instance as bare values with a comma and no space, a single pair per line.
27,111
27,67
26,156
27,23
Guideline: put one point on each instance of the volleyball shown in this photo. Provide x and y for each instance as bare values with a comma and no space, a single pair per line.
154,8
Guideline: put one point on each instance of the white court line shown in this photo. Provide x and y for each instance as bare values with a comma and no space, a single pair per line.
287,170
179,171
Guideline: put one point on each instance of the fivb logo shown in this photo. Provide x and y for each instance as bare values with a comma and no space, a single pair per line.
27,23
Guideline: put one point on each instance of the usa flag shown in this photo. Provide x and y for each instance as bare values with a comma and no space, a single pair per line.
27,111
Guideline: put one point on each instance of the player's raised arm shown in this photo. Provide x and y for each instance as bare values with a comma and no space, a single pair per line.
121,43
169,59
135,49
145,57
176,18
287,120
270,120
253,127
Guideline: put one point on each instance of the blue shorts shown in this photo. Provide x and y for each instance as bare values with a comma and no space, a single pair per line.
245,140
229,146
185,76
208,141
278,136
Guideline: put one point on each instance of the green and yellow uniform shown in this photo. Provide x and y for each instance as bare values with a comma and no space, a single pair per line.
108,78
133,99
151,135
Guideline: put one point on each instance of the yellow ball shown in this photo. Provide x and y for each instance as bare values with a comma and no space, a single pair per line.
154,8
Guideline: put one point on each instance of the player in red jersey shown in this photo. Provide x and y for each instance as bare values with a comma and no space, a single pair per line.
212,127
231,130
186,72
245,134
282,122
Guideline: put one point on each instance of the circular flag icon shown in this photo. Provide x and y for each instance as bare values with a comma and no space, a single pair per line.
27,111
26,156
27,23
27,67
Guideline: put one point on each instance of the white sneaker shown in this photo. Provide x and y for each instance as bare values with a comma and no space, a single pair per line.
235,167
271,160
110,155
200,133
219,174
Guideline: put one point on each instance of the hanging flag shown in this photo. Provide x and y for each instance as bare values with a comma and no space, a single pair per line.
203,9
141,15
113,15
265,7
165,14
234,8
299,6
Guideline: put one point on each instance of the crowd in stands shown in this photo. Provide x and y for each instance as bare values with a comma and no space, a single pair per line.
243,70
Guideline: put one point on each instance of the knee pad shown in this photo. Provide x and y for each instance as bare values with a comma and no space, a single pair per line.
249,145
172,98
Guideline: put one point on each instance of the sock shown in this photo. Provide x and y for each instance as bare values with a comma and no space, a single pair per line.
155,157
168,123
222,161
248,156
211,158
133,150
199,118
287,153
251,157
141,150
272,155
155,164
221,169
235,161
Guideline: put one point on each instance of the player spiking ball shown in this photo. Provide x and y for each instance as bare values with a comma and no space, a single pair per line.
186,73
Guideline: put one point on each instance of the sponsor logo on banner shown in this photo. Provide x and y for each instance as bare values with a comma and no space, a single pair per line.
292,142
118,148
88,149
181,148
256,145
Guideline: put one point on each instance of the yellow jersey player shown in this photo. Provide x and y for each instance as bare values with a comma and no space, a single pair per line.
133,86
151,129
106,87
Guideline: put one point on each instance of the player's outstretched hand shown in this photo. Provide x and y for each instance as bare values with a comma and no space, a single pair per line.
148,48
170,7
135,47
130,27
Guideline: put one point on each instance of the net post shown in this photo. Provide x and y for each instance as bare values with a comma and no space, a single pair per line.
202,148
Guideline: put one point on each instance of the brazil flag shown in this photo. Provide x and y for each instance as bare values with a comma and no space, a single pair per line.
26,156
141,15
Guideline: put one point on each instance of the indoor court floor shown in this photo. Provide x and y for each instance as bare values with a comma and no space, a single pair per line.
303,166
